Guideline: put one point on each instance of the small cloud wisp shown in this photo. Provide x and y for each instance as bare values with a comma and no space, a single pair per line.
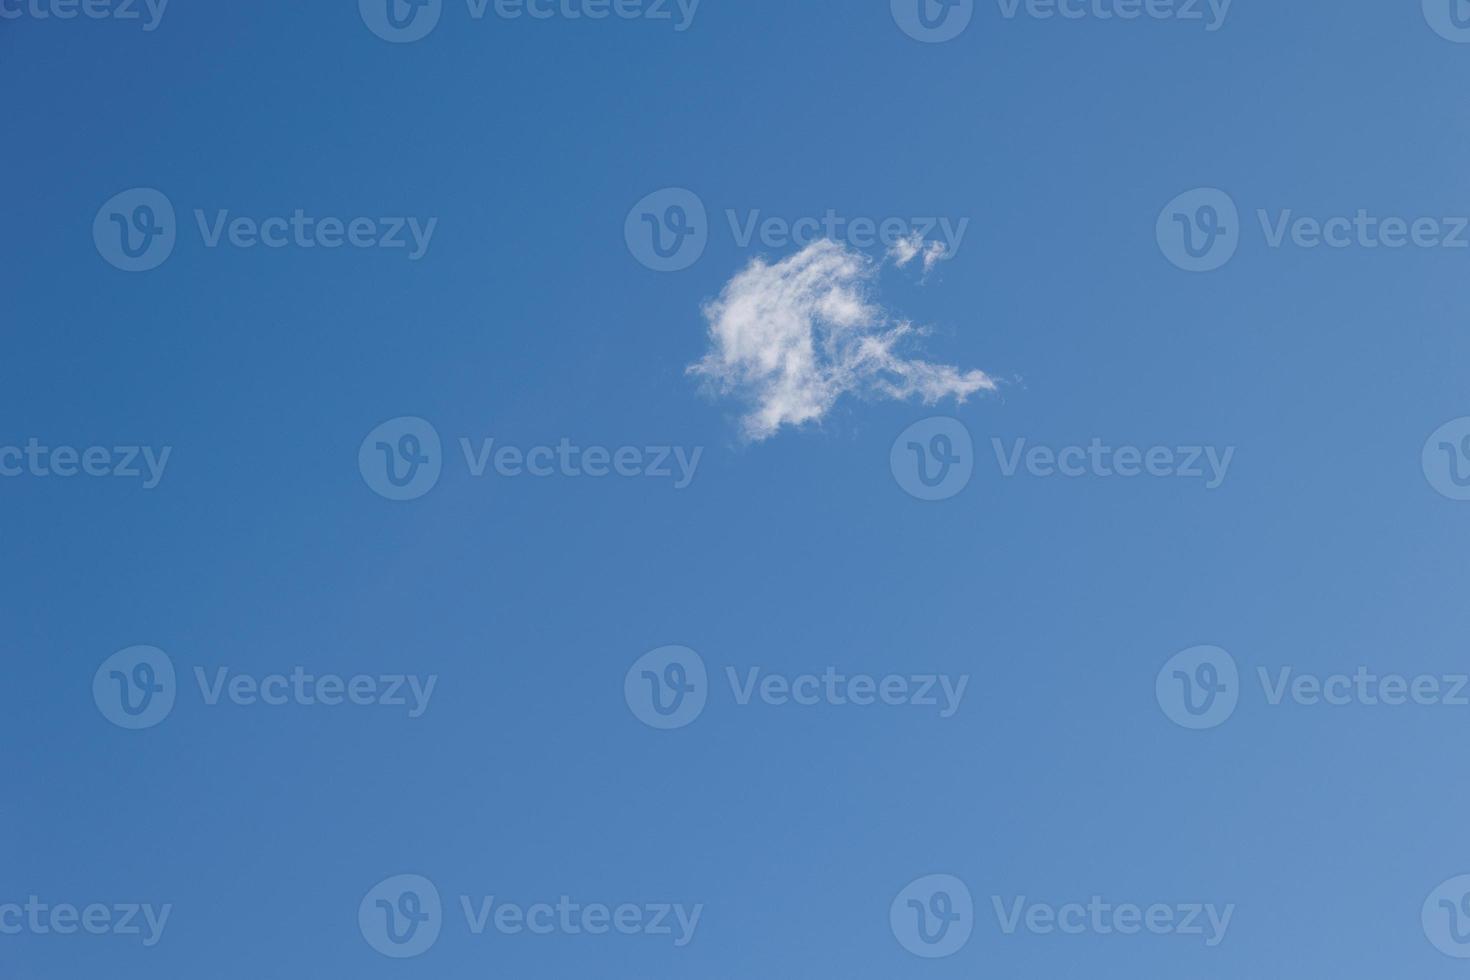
789,339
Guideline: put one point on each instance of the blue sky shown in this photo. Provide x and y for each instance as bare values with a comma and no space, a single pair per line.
804,545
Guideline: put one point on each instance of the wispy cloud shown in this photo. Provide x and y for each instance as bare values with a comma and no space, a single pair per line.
789,339
905,250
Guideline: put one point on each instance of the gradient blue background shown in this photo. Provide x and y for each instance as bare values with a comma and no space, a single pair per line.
529,321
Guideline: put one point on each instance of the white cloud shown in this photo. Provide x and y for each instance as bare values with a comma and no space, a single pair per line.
905,250
788,340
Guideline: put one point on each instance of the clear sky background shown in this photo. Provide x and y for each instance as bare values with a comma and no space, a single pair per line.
529,321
